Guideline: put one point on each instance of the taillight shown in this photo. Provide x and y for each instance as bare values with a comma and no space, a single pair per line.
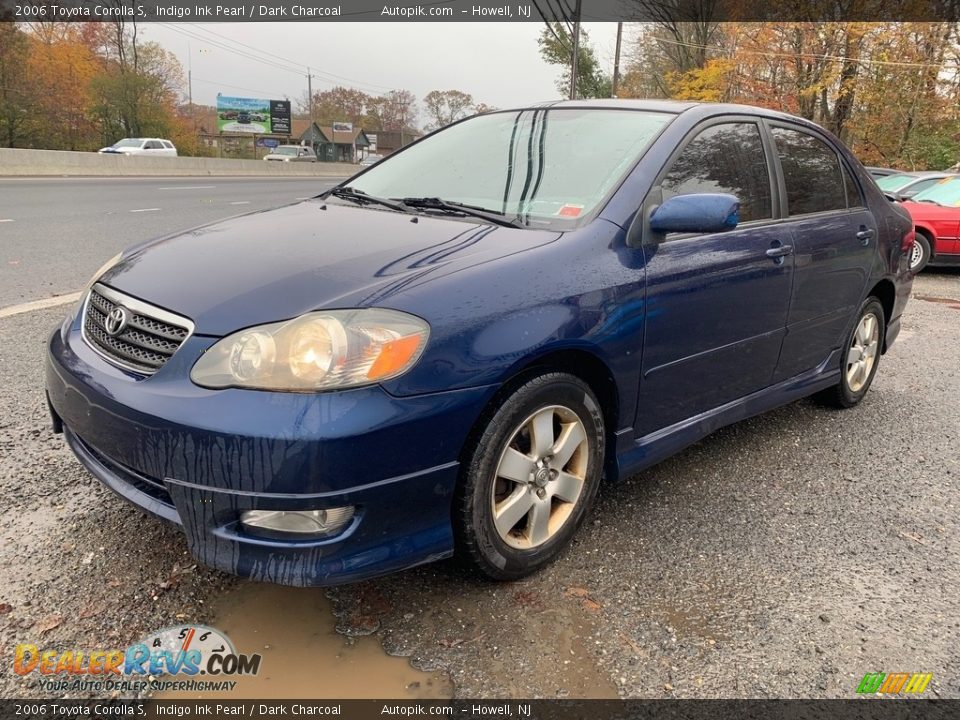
908,240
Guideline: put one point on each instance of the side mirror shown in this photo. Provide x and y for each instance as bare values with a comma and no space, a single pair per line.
700,213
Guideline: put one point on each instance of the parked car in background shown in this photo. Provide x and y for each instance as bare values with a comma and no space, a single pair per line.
291,153
936,217
905,185
447,353
878,172
141,146
371,159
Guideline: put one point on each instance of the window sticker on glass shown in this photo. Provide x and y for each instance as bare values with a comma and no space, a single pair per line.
570,211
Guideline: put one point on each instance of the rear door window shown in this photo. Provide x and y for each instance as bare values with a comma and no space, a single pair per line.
724,158
812,173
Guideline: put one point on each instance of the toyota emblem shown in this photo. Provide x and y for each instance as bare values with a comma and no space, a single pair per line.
116,321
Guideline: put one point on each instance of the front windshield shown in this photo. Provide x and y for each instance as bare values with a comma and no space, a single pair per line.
545,166
895,182
946,192
128,142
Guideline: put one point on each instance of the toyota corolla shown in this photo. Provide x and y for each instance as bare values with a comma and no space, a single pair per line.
447,353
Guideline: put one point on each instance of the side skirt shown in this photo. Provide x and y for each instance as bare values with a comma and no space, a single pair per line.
636,455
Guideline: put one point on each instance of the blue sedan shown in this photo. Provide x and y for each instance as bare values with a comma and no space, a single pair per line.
449,352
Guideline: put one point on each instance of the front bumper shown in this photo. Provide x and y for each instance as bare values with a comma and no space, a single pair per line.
200,458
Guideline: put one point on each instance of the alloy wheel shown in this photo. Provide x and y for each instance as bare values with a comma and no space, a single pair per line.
540,477
863,352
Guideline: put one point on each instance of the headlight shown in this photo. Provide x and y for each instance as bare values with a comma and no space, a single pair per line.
317,351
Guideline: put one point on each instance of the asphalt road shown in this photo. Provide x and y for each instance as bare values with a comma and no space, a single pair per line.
55,232
784,556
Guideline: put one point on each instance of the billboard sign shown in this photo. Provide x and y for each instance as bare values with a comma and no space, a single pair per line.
280,117
243,115
253,115
343,127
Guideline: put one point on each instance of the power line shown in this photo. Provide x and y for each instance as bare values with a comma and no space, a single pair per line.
293,62
271,60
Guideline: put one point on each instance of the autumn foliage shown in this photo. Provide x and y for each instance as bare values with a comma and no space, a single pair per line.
80,86
890,90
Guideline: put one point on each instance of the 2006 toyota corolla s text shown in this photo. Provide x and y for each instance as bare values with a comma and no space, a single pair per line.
446,353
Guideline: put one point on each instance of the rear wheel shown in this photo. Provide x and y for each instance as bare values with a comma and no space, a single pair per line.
531,478
859,362
919,253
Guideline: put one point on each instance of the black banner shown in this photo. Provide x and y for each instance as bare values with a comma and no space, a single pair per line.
477,10
872,708
280,117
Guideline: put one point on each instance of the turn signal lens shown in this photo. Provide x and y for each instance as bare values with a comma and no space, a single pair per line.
394,356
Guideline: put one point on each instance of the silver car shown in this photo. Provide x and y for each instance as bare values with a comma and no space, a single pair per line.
291,153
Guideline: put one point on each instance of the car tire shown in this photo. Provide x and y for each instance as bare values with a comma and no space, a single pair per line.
860,358
517,506
919,253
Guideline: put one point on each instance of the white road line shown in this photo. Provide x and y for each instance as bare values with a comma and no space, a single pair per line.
145,210
6,219
303,198
240,202
188,187
54,301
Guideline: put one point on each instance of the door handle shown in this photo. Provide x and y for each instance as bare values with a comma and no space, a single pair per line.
865,234
780,251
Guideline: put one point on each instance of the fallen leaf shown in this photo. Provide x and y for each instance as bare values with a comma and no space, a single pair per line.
916,537
591,605
5,608
47,624
577,592
87,612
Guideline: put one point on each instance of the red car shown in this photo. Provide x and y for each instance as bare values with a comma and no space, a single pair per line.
936,215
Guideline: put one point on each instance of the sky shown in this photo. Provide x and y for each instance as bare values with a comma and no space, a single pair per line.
497,63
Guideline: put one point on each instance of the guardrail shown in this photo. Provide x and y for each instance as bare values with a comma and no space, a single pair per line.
60,163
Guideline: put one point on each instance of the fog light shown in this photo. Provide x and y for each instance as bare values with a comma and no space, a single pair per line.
298,522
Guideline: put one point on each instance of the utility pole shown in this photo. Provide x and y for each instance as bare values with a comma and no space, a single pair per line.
616,61
193,115
576,52
310,96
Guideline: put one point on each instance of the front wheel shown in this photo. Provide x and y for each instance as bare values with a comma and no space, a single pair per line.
858,364
531,478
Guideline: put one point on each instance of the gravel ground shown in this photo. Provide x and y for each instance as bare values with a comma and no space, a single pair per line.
782,557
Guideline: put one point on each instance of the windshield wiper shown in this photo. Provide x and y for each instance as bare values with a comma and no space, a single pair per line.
434,203
933,202
361,198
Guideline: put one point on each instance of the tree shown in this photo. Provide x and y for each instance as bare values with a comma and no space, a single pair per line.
16,96
394,112
556,47
340,104
60,67
447,106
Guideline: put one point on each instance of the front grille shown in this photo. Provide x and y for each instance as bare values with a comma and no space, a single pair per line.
150,338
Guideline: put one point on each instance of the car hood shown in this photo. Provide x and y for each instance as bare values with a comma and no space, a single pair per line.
276,264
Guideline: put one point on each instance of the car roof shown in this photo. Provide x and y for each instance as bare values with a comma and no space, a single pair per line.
699,110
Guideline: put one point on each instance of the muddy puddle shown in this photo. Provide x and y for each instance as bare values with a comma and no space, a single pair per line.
303,657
